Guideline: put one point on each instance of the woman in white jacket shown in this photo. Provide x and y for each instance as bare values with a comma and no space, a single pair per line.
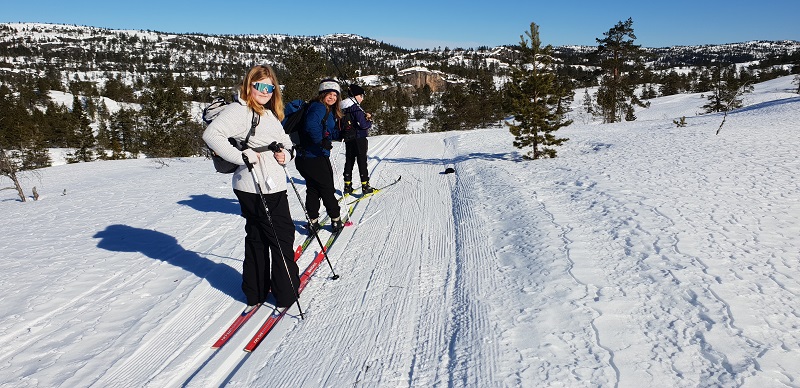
268,254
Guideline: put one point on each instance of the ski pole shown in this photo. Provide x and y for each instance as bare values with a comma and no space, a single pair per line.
278,146
274,232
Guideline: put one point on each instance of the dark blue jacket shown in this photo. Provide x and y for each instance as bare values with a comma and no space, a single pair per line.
317,132
349,106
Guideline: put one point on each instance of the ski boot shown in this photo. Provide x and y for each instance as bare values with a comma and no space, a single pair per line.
337,224
313,226
366,188
348,188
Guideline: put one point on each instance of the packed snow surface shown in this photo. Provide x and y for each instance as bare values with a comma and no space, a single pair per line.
645,254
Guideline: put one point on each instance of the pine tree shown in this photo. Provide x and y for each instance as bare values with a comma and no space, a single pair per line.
726,90
14,120
390,110
565,89
57,126
485,100
588,102
649,92
797,81
34,154
535,97
123,130
616,95
305,68
83,134
187,136
391,119
116,90
448,112
671,84
701,81
53,77
164,118
103,139
420,100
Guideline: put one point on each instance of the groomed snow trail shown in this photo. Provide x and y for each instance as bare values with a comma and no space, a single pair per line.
405,309
644,255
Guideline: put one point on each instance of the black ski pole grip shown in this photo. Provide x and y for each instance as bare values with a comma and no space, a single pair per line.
246,161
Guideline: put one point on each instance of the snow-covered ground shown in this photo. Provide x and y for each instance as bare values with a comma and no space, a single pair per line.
644,255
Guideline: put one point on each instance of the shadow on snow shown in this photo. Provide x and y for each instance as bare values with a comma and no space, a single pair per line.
163,247
209,204
761,105
510,156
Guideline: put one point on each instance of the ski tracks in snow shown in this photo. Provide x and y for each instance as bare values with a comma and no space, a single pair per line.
201,366
654,320
519,275
650,258
179,331
643,297
434,282
471,279
140,315
368,257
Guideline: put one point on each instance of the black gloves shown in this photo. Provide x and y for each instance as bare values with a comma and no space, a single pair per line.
275,146
326,144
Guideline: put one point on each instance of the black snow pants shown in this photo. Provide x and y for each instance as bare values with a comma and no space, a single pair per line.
264,267
318,174
356,151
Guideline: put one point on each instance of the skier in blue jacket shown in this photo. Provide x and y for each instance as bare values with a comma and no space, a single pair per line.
313,158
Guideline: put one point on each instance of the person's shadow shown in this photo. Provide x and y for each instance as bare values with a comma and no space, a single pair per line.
209,204
160,246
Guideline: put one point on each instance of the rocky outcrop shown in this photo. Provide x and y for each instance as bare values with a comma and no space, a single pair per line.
420,76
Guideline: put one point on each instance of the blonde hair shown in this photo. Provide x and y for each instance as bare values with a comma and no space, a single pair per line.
275,104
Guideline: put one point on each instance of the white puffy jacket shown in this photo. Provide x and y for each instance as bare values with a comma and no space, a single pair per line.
235,121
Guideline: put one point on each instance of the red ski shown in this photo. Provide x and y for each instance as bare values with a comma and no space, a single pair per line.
239,322
279,312
243,317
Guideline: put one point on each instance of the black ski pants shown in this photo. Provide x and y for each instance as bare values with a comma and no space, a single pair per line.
264,266
356,151
318,174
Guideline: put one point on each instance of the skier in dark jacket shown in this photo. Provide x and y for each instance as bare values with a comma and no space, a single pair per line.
356,149
313,159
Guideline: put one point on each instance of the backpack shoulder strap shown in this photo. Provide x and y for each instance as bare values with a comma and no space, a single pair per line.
254,121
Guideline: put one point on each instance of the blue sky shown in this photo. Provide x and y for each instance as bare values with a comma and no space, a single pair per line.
428,24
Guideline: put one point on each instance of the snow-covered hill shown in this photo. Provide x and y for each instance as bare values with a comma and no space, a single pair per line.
644,255
95,54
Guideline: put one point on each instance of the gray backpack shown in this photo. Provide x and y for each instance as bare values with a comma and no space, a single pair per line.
209,114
